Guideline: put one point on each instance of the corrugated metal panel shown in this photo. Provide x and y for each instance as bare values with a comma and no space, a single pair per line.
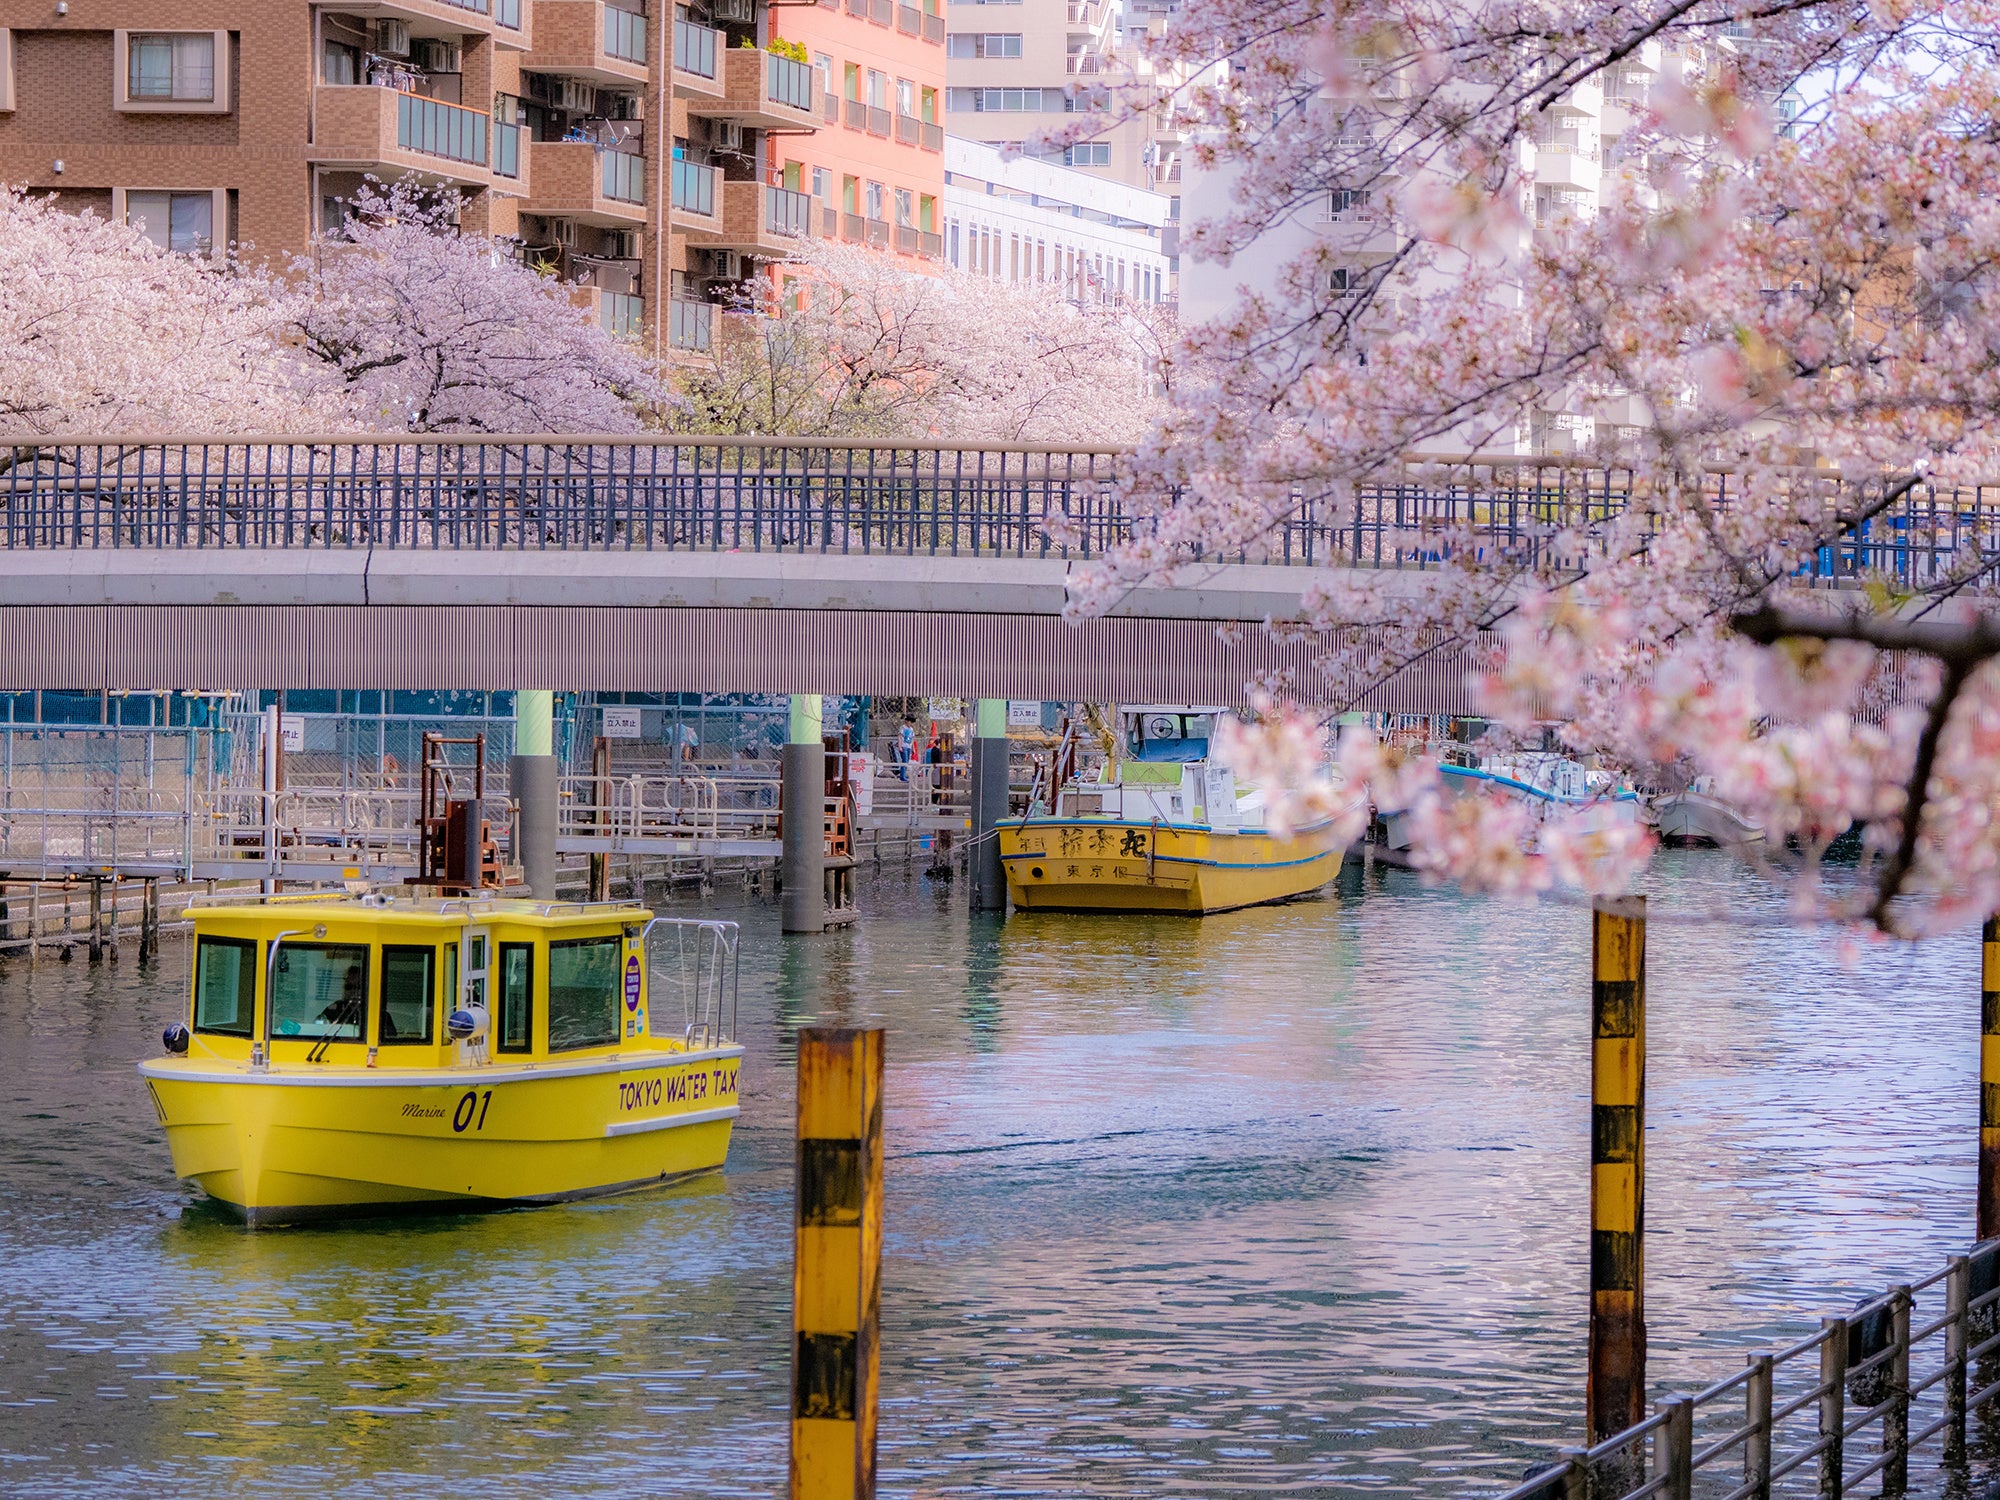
651,650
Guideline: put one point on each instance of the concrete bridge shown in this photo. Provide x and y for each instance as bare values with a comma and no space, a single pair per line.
722,565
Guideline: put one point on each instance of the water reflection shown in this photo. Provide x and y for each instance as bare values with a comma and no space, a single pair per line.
1287,1199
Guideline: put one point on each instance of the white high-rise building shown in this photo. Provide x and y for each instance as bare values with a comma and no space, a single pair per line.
1575,154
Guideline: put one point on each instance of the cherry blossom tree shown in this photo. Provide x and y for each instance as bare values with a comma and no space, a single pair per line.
429,330
1793,328
857,344
103,333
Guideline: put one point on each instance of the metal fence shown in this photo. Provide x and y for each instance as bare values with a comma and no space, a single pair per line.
797,496
1913,1364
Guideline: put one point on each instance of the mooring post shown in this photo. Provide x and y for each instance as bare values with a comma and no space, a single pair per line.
149,921
837,1268
989,804
1989,1081
802,814
1616,1397
532,774
96,918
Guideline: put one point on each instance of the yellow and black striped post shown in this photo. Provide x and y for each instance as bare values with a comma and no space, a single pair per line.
1617,1392
837,1270
1989,1081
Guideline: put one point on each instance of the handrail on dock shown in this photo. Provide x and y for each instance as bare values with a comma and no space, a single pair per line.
1854,1373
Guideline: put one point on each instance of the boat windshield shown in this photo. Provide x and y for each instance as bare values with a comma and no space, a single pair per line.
584,993
321,990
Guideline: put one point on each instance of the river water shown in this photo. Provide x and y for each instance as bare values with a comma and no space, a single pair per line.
1286,1201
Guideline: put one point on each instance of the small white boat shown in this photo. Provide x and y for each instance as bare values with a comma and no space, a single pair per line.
1698,816
1546,782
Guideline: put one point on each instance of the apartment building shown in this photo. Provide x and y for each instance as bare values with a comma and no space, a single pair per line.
875,171
1014,218
653,167
1017,68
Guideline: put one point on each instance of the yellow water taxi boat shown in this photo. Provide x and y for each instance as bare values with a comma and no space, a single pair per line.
1165,831
372,1053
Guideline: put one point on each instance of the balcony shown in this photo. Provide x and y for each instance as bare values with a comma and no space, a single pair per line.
589,39
931,137
829,223
621,314
360,125
697,196
909,20
882,12
907,129
764,91
691,326
934,28
575,180
867,117
697,61
758,219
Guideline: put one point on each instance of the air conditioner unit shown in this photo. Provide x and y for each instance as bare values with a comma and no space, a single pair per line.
390,37
618,106
574,95
436,55
622,244
743,12
728,135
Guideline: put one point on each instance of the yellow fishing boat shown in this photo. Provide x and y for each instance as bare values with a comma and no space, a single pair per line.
372,1053
1165,831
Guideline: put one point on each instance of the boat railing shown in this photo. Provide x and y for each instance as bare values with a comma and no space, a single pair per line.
694,962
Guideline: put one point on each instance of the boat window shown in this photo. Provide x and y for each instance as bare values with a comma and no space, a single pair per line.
409,1009
321,991
516,1029
225,985
583,992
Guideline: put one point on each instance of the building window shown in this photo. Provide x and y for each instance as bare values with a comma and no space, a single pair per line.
178,66
905,207
983,44
878,89
6,69
823,184
1344,201
906,97
339,63
170,72
1003,101
1088,154
877,200
183,223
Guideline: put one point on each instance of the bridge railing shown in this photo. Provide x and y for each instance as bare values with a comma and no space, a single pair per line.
803,496
1913,1364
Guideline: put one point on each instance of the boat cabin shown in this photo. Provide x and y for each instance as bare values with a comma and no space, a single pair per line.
374,980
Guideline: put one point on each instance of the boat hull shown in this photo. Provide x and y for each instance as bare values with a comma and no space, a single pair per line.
1082,864
1694,818
286,1146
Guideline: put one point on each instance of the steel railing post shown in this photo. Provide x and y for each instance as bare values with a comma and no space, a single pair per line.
1832,1407
1757,1418
1896,1419
1673,1448
1957,1287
